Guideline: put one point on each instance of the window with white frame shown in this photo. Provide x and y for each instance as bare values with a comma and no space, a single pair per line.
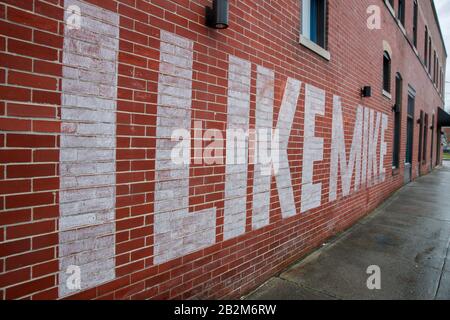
314,21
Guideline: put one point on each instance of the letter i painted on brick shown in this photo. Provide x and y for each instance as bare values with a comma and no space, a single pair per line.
284,126
177,232
365,147
374,133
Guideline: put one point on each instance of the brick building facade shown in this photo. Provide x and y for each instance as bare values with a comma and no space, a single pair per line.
92,90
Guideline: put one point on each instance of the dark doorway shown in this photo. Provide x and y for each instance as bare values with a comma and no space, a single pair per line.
433,125
409,136
421,135
397,122
438,146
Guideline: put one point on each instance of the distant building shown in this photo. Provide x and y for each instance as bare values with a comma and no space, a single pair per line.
447,140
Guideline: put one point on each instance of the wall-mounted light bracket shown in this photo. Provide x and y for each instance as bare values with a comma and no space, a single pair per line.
217,16
366,92
396,108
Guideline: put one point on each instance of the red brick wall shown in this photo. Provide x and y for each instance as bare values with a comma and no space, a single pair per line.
265,33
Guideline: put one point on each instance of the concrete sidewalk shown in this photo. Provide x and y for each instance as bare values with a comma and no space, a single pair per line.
408,238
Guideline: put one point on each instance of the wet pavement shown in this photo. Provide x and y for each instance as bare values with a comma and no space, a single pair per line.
408,237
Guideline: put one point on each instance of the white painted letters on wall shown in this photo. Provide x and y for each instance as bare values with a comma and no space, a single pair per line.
265,83
284,126
372,163
238,113
312,148
177,232
365,143
383,147
339,154
88,142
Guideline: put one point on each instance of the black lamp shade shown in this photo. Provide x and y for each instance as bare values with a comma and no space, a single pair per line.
366,92
396,108
217,16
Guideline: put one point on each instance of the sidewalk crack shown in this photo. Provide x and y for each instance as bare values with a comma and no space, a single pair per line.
325,293
442,270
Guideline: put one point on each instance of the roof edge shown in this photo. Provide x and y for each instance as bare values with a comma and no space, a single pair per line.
443,118
436,17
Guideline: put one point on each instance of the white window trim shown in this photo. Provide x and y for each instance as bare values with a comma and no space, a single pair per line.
315,47
387,94
390,7
305,33
306,19
402,28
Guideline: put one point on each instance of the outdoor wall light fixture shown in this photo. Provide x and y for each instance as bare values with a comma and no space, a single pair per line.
217,16
366,92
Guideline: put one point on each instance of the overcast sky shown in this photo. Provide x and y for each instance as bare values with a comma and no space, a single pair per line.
443,9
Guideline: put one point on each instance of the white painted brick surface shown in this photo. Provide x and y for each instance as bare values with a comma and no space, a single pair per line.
284,126
176,231
235,205
374,132
88,141
265,91
365,147
352,167
312,149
